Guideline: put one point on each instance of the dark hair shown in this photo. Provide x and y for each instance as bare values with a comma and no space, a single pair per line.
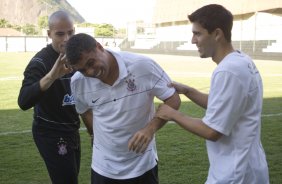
214,16
78,44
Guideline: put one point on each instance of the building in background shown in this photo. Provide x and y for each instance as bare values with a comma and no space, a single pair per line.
256,30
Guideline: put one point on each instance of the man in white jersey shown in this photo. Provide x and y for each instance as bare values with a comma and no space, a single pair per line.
118,88
232,123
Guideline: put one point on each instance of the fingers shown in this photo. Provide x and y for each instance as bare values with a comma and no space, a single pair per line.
60,67
163,112
63,57
138,143
63,61
180,88
170,85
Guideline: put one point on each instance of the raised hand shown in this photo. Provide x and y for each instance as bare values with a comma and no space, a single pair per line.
60,68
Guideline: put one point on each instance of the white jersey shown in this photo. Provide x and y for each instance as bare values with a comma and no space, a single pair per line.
119,111
234,109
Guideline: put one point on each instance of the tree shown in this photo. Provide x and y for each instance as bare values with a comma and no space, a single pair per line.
29,29
3,23
105,30
43,22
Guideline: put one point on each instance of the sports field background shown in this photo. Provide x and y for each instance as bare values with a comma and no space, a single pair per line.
182,156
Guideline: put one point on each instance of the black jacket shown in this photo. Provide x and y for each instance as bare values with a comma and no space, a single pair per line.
54,108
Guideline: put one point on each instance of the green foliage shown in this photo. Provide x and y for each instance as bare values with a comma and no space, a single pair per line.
29,29
87,24
16,27
43,22
105,30
3,23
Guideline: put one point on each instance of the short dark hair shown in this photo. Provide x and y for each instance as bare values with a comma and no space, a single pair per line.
78,44
214,16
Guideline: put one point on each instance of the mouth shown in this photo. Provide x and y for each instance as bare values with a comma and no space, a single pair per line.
199,49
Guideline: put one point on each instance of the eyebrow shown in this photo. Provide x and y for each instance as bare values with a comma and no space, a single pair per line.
195,32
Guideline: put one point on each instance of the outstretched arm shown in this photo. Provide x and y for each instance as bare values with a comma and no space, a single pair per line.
194,95
193,125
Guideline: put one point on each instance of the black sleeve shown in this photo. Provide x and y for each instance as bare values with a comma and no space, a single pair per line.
30,91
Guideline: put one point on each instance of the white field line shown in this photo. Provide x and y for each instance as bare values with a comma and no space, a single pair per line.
10,78
83,129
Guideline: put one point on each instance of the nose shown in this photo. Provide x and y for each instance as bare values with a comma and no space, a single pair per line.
193,40
66,37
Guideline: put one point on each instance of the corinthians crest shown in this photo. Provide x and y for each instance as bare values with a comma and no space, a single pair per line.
62,147
130,84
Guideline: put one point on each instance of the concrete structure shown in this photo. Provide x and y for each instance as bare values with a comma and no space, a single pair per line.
256,30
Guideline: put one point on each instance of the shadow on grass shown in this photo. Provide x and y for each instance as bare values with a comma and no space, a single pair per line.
182,155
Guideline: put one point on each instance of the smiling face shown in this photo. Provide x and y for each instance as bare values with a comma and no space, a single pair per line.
93,64
205,41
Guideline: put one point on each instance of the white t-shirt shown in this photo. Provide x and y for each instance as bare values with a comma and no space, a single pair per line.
234,109
119,111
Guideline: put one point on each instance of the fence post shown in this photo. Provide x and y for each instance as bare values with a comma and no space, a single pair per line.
25,44
6,41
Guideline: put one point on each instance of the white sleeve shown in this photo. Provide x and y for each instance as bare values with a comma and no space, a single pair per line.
159,82
226,102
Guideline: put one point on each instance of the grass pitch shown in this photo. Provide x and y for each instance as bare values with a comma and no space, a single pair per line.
182,156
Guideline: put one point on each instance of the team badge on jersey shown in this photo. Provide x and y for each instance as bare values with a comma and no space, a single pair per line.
130,84
62,147
68,100
252,68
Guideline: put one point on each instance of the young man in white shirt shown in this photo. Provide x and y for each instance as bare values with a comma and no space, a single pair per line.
118,88
232,123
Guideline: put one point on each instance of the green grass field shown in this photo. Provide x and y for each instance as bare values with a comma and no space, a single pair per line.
182,156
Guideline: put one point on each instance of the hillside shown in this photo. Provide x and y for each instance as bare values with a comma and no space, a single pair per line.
21,12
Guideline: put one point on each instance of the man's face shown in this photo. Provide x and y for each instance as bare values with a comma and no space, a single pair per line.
204,41
60,32
93,64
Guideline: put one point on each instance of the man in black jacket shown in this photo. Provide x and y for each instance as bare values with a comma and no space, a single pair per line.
46,88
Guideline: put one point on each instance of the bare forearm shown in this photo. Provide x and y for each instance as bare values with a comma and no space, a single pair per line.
46,82
173,102
197,97
195,126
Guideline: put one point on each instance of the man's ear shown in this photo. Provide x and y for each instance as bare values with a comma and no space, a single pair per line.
99,46
218,34
48,33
